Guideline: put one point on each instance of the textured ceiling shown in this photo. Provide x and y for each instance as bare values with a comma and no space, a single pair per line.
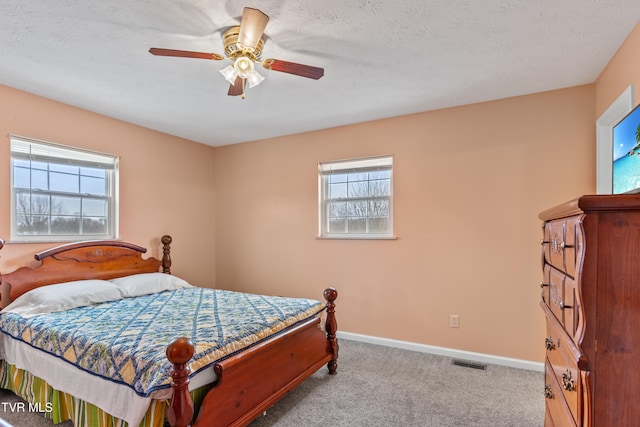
382,58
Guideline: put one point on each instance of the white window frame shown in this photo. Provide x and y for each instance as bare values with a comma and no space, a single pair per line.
353,166
28,151
604,138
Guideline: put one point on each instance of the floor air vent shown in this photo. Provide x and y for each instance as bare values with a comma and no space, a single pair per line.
468,364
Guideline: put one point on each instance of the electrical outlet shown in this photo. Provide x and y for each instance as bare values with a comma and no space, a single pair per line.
454,321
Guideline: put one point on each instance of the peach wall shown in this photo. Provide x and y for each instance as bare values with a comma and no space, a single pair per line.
468,183
166,183
623,70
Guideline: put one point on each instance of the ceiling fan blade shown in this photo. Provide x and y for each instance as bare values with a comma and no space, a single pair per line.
236,88
185,54
293,68
252,26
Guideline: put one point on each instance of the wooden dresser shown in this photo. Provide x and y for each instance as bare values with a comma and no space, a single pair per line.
591,301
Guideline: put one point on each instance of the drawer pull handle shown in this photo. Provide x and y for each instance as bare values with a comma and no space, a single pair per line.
548,343
567,382
542,285
563,306
548,394
557,246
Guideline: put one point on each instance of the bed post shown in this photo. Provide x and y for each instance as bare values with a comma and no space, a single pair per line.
166,253
180,411
331,327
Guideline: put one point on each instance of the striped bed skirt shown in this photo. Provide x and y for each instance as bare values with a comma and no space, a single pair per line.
59,406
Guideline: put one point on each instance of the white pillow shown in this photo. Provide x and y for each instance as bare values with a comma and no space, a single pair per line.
64,296
148,283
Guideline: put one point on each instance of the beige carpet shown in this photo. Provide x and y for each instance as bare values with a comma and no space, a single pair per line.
381,386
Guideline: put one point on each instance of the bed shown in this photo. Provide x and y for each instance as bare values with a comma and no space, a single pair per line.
112,363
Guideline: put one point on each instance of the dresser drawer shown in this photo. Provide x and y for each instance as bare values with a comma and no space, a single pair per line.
548,421
559,294
562,364
560,242
557,410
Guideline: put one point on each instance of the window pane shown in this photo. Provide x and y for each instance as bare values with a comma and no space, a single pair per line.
93,207
39,204
39,180
95,186
94,225
358,189
337,191
358,208
64,182
378,225
357,225
32,224
379,208
65,205
23,204
337,209
21,178
28,204
65,225
337,225
380,188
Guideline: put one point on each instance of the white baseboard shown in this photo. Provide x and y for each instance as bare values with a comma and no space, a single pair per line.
443,351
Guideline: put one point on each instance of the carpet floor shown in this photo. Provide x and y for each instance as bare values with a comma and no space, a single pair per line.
383,386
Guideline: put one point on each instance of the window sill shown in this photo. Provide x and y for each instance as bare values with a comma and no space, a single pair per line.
357,237
61,241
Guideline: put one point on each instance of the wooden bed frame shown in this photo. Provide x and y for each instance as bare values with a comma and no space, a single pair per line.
248,383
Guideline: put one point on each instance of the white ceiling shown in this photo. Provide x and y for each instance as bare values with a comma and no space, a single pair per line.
382,58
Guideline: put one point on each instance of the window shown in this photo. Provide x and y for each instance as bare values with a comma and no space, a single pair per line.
356,198
61,193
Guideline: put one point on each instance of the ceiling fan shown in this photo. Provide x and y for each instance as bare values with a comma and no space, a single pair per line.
243,45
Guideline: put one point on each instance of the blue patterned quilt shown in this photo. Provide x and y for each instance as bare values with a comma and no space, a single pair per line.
125,340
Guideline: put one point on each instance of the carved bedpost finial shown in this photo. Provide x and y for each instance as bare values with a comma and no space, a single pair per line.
166,253
180,411
331,327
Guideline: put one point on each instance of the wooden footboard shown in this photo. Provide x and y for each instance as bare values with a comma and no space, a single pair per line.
252,381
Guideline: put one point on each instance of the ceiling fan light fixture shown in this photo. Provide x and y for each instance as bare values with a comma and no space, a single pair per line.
229,73
243,66
254,78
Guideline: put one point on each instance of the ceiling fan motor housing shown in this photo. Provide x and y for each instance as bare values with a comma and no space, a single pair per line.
234,50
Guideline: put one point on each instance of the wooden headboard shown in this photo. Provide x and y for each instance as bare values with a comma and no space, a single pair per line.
96,259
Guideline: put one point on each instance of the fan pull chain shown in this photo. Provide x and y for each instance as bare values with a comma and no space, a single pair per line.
243,82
